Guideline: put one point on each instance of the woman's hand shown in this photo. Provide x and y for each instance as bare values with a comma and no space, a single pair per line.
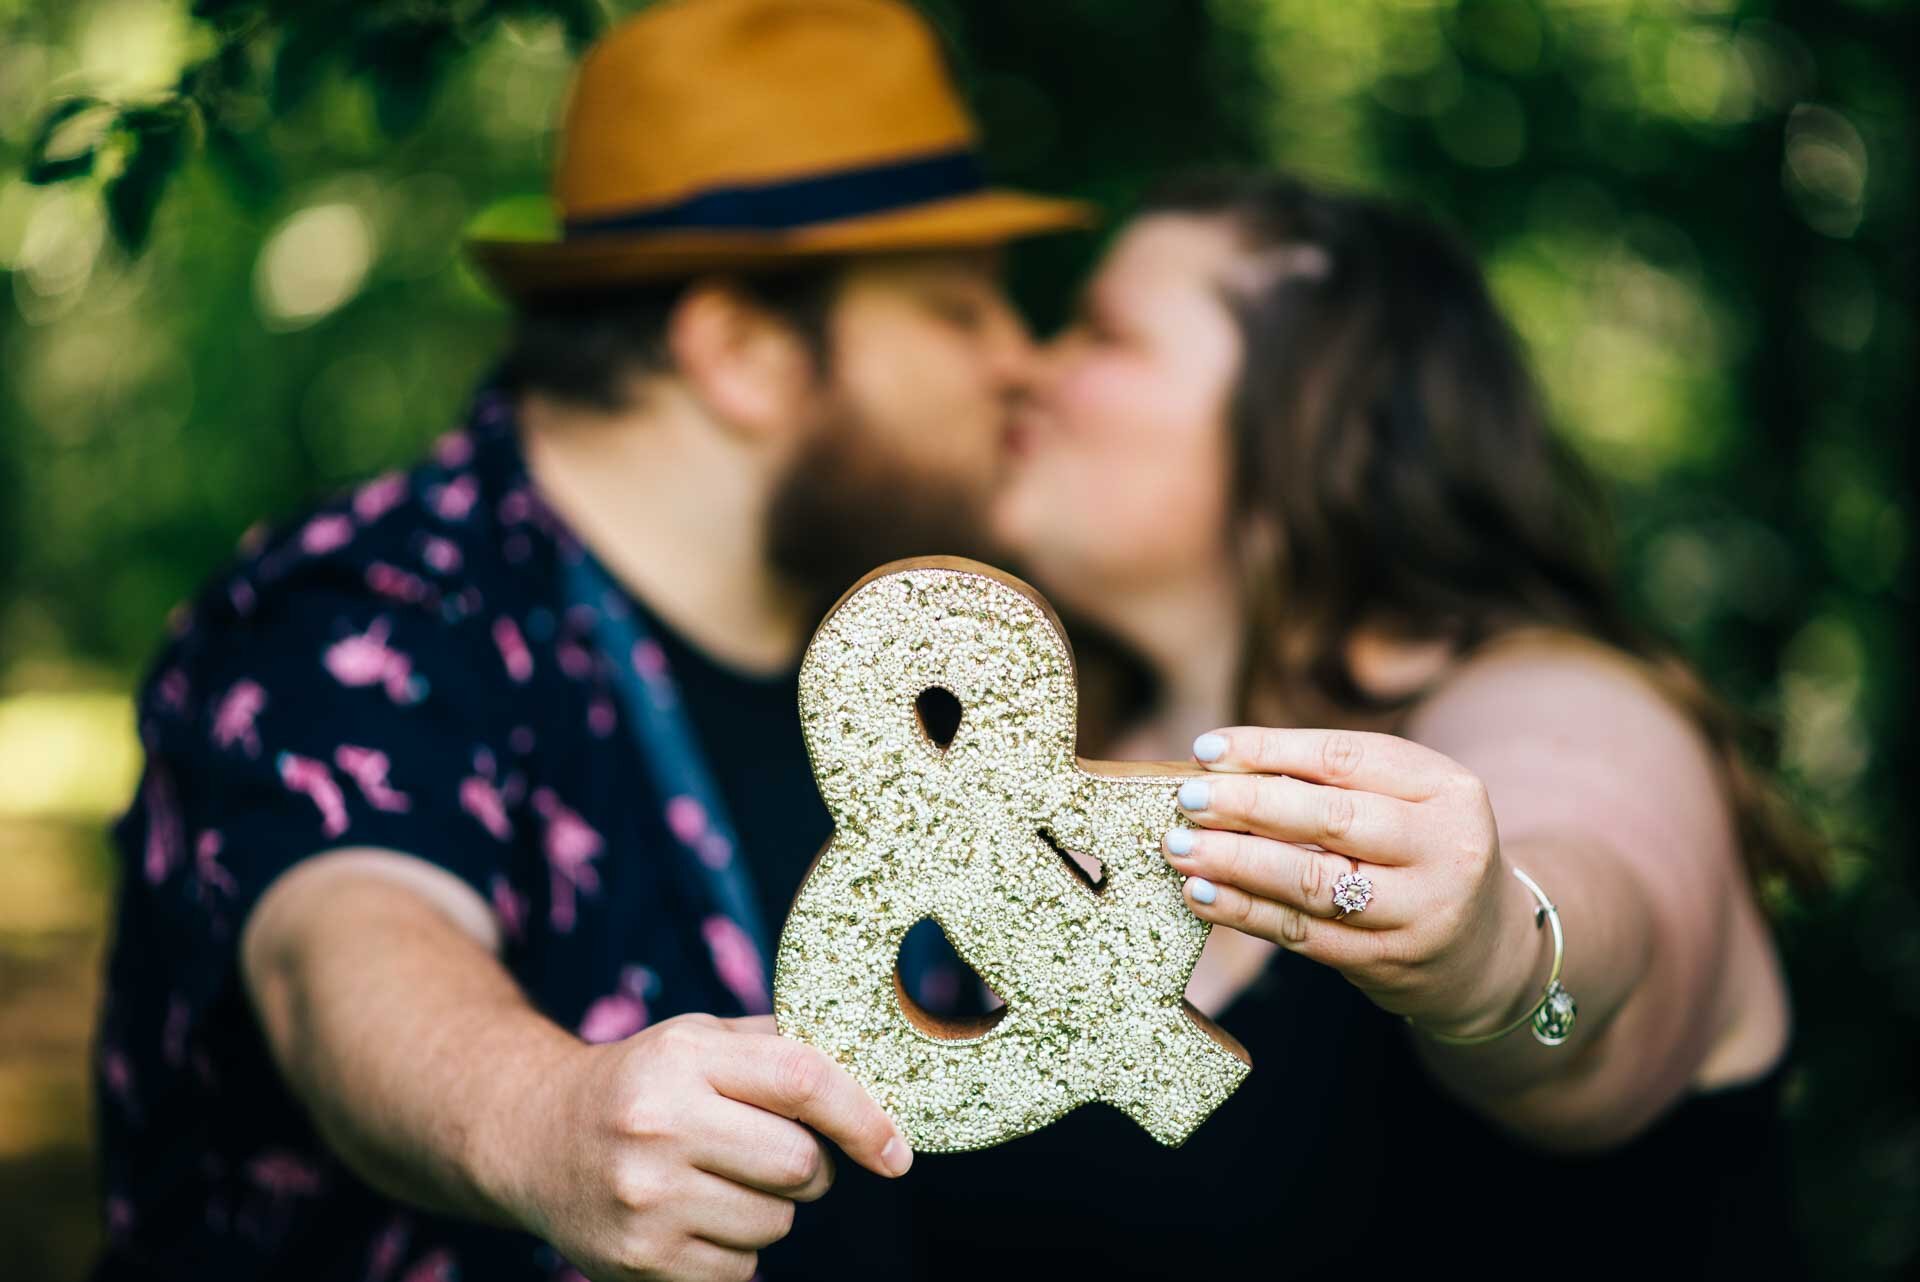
1289,812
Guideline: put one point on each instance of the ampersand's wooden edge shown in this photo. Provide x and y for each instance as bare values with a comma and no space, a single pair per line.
1225,1040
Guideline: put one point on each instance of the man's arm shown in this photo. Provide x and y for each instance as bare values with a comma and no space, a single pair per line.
678,1152
376,984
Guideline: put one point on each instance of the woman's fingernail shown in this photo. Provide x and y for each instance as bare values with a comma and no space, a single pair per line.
1179,841
896,1156
1193,794
1202,890
1208,747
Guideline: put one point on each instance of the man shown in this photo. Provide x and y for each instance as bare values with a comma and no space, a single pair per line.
474,797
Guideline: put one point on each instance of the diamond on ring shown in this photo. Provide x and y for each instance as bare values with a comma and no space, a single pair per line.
1352,893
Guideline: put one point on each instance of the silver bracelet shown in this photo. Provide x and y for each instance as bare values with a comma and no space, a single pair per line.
1552,1015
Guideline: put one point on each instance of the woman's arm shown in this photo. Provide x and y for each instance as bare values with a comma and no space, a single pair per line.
1554,757
1607,796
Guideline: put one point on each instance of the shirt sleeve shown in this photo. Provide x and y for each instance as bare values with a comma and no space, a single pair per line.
326,717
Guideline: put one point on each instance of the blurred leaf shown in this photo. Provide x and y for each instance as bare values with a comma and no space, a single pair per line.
43,163
210,9
158,141
404,60
248,166
581,20
528,216
300,61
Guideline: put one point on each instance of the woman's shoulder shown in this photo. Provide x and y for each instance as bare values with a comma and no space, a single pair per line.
1568,733
1566,685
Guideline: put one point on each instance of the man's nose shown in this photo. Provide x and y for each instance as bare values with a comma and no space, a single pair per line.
1011,351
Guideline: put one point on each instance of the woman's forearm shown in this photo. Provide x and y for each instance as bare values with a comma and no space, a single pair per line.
1593,1090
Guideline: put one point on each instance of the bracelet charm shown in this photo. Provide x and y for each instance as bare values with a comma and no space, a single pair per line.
1552,1016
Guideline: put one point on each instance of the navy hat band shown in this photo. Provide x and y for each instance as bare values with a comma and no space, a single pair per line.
801,202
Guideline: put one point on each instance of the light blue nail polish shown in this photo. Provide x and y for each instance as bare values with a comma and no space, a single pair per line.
1180,841
1193,794
1203,890
1209,747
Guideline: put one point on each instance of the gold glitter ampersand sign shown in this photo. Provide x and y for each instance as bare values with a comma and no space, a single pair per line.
973,835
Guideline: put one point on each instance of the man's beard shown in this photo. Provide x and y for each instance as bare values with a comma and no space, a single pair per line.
845,507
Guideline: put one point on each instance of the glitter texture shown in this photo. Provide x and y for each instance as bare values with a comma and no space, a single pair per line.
971,836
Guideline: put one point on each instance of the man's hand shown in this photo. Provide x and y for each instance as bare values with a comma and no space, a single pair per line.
679,1152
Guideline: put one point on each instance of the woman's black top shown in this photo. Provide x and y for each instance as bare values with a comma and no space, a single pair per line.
1338,1152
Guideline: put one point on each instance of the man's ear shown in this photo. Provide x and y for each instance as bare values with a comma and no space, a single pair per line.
741,361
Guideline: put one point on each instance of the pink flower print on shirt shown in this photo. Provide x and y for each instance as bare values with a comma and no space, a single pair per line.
365,659
166,835
233,718
513,648
379,496
326,532
688,820
173,1033
440,554
368,768
285,1174
454,500
173,689
575,659
623,1013
117,1071
436,1267
240,592
736,961
388,1248
206,863
398,584
510,906
515,506
119,1216
479,798
601,718
312,778
650,661
454,447
570,843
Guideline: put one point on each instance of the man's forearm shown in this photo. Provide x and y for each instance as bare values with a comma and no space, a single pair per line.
404,1037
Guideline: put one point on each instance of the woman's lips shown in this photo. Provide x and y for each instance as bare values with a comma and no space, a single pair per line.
1018,442
1021,434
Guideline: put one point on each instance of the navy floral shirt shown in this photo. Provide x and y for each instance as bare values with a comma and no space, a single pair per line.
396,667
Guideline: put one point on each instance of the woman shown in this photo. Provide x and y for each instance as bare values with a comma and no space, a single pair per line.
1288,453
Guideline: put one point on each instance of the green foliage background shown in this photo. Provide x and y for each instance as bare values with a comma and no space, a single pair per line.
228,249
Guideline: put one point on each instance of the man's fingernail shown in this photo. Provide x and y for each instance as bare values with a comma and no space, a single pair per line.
896,1156
1208,747
1179,841
1194,794
1203,890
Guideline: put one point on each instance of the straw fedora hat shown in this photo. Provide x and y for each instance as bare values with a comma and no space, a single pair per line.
743,134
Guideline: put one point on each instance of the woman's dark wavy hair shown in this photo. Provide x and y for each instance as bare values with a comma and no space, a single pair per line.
1385,421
